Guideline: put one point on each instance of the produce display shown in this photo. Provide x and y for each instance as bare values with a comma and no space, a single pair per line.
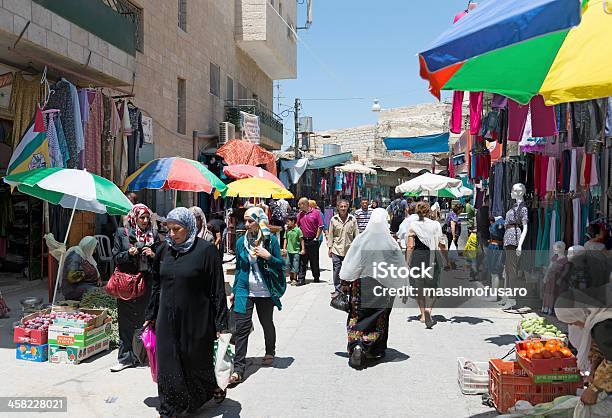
538,327
538,350
39,322
98,299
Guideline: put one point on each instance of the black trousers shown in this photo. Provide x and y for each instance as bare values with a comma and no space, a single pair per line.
312,254
131,316
244,322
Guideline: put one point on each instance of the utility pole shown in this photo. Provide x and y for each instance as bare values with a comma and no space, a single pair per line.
296,111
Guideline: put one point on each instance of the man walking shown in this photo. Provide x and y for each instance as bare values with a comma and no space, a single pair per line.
310,223
363,214
343,229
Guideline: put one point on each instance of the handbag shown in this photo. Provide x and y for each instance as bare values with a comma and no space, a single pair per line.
125,286
341,303
149,343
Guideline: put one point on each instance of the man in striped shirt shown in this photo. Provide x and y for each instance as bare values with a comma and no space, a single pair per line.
363,214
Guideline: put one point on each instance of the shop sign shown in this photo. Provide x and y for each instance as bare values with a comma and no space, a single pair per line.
147,129
249,126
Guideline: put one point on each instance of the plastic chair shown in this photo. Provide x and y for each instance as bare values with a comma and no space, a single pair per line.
105,252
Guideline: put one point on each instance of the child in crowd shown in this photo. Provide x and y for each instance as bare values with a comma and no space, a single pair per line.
293,247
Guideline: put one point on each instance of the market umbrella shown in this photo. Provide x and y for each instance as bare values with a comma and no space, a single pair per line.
73,189
449,192
245,171
427,182
356,168
563,66
255,187
174,173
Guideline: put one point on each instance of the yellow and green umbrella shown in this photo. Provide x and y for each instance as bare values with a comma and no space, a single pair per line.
563,66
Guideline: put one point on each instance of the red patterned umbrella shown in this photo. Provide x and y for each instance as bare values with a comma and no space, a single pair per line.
237,151
244,171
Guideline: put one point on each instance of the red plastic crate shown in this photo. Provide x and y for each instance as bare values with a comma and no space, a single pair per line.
549,370
509,383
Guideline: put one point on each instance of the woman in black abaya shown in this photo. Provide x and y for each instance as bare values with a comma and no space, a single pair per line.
188,308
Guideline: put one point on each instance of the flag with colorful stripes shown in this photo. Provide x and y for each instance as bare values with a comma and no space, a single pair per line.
33,149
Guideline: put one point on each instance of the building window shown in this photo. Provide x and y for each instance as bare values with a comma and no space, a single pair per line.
182,14
242,92
272,3
215,79
181,114
229,93
280,8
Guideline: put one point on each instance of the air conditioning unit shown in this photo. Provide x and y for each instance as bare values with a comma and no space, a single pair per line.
227,131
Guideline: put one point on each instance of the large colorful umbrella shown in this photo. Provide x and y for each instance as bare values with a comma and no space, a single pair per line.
74,189
563,66
255,187
174,173
245,171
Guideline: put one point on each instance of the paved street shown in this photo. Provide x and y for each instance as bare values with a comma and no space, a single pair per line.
310,377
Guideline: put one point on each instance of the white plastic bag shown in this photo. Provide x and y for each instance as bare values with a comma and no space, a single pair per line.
603,408
224,360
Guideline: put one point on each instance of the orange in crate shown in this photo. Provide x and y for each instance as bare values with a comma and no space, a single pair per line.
508,383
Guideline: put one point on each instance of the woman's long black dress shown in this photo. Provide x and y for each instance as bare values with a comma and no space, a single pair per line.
131,313
189,305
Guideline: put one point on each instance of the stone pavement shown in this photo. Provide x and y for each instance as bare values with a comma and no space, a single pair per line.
310,377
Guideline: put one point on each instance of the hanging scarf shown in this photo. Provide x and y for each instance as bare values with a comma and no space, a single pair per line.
186,219
136,212
258,215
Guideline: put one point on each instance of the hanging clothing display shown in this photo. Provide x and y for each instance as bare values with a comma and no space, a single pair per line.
55,152
543,120
456,125
25,96
93,125
63,99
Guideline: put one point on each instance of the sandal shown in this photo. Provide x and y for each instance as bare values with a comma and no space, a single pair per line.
267,360
235,378
219,395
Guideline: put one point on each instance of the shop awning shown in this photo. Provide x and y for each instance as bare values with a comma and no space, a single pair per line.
329,161
416,144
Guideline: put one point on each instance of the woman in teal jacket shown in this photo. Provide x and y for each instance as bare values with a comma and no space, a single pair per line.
259,282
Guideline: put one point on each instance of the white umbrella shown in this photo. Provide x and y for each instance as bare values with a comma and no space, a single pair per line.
356,168
427,182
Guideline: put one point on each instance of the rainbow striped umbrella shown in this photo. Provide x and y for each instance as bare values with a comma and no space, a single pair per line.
563,65
174,173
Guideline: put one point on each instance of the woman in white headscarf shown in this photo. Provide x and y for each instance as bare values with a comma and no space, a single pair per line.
424,246
362,277
590,331
80,271
201,224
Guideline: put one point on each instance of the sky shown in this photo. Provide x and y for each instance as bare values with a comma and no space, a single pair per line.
361,49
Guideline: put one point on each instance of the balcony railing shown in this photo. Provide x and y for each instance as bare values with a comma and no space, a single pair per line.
118,22
270,124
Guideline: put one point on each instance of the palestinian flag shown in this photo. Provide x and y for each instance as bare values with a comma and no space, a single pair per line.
33,149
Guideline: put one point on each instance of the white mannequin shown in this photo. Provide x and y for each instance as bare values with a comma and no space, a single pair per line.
518,193
559,249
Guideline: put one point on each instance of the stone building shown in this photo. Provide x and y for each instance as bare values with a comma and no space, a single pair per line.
190,64
365,142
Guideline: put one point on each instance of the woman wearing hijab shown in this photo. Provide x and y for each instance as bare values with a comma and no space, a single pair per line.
368,320
425,240
188,309
590,331
259,282
133,251
80,272
201,224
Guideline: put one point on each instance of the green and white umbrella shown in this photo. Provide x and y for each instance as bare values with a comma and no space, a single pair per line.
72,189
448,192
